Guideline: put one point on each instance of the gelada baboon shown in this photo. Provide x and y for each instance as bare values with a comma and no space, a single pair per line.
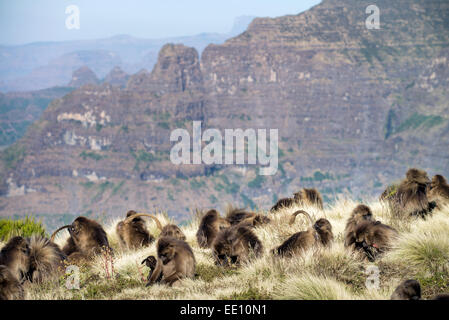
15,255
374,238
210,225
283,203
235,245
411,290
319,234
407,290
87,238
410,199
170,230
236,216
10,286
175,261
133,233
438,191
359,214
151,263
46,259
309,197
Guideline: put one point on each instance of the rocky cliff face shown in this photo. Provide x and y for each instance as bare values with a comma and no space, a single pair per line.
354,108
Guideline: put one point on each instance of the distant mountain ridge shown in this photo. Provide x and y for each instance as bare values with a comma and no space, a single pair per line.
43,65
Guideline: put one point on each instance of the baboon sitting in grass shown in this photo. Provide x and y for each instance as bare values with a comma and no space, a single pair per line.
133,233
210,225
10,286
319,234
438,191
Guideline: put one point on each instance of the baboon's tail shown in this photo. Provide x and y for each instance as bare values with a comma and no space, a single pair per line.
158,223
292,219
52,238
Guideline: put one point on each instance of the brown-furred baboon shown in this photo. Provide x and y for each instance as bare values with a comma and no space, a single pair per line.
407,290
235,245
410,199
319,234
309,197
438,191
151,263
175,261
15,255
359,214
411,290
374,238
87,238
46,259
169,230
133,233
10,286
236,216
209,226
283,203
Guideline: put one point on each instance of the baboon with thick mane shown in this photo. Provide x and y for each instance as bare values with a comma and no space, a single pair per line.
359,214
374,238
175,261
235,245
46,259
410,199
10,286
438,190
319,234
15,255
283,203
87,238
309,197
133,233
210,225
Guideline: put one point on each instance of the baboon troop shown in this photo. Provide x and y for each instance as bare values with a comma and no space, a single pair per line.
305,197
87,238
175,261
411,290
319,234
133,233
232,239
409,198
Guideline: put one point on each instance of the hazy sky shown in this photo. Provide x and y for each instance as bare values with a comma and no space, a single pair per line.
24,21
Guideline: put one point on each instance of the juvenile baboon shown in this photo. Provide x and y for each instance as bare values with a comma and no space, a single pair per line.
133,233
438,190
374,238
10,286
319,234
175,261
407,290
170,230
46,259
283,203
411,290
210,225
410,198
359,214
87,238
309,197
151,263
15,255
236,245
236,216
